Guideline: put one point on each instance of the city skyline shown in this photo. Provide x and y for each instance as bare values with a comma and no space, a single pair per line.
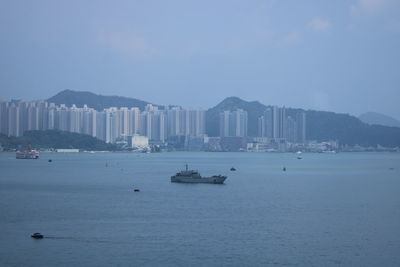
185,107
113,124
108,125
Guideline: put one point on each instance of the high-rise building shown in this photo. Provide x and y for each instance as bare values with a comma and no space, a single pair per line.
101,125
301,127
134,121
112,124
233,123
276,124
153,123
13,120
109,125
4,106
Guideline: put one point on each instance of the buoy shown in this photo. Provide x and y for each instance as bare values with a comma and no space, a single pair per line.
37,236
284,169
49,160
136,190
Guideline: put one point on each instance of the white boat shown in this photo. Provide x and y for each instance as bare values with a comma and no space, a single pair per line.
27,154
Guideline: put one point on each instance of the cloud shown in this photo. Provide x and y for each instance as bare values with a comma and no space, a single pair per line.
293,37
128,44
369,7
319,25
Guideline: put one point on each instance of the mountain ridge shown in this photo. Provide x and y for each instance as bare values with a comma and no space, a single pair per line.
96,101
379,119
320,125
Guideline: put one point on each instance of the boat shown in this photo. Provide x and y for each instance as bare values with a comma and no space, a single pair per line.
233,169
37,236
192,176
28,153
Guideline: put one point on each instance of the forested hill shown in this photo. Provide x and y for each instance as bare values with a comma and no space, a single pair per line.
379,119
98,102
321,125
349,130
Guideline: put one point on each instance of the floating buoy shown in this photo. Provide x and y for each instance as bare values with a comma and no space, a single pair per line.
136,190
284,169
233,169
37,236
49,160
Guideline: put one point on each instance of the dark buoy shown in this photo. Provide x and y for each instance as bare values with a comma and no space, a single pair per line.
233,169
37,236
136,190
284,169
49,160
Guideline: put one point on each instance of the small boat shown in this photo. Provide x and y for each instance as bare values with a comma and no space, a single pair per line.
299,158
233,169
37,236
136,190
28,153
49,160
284,169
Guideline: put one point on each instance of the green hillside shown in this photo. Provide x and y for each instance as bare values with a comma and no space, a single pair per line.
321,125
55,139
98,102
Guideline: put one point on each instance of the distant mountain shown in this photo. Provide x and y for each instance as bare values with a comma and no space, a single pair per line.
379,119
254,110
321,125
98,102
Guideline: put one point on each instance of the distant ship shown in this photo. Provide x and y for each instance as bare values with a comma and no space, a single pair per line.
27,154
192,176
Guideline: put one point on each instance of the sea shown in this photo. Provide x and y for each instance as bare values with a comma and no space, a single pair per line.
325,210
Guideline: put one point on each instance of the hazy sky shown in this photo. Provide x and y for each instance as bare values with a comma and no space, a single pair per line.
342,56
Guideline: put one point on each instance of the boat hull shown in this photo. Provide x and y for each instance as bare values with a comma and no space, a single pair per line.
203,180
27,155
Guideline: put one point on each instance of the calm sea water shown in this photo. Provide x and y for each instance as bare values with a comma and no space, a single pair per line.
325,210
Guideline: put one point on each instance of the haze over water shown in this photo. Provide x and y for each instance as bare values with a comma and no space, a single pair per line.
325,210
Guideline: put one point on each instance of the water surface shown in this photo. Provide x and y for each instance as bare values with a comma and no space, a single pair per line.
325,210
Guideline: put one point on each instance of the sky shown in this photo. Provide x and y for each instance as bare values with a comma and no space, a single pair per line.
341,56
